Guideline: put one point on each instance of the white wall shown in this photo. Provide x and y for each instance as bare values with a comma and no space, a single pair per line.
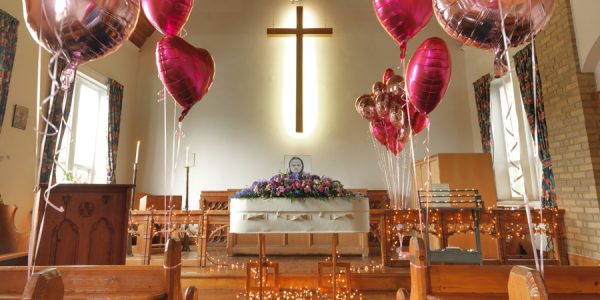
17,147
597,74
587,32
237,130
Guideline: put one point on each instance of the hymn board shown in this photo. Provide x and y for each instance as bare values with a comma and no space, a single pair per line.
299,32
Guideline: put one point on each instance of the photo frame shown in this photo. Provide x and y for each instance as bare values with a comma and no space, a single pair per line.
295,163
20,115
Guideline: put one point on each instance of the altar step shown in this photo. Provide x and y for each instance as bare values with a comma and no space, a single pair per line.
389,280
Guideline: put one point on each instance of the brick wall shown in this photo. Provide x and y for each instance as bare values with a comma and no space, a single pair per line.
573,120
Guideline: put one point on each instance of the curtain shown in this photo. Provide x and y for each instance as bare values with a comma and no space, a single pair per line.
523,64
8,47
55,116
482,99
115,103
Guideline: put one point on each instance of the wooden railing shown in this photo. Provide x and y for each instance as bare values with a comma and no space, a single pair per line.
506,229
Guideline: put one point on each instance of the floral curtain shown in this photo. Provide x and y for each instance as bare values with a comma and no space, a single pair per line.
482,99
8,47
523,64
57,114
115,102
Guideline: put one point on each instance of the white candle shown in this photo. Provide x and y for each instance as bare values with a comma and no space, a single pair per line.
187,156
137,152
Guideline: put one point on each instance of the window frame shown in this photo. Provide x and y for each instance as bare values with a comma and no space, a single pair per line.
69,143
527,158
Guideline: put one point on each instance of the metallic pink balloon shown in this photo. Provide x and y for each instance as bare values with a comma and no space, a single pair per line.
82,30
186,72
387,74
403,19
428,74
419,122
387,135
168,16
478,23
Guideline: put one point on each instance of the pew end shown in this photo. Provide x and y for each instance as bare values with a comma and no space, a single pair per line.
526,284
402,294
45,285
13,244
191,293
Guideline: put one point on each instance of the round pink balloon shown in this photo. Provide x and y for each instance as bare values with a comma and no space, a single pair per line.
428,74
403,19
82,30
478,23
168,16
187,72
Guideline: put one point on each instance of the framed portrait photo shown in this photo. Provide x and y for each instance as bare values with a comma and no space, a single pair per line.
297,163
20,115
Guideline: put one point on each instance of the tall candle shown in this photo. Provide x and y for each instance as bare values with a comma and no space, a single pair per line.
137,152
187,156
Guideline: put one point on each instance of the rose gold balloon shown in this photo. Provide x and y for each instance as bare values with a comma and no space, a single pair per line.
378,88
395,85
82,30
382,105
397,116
478,23
365,106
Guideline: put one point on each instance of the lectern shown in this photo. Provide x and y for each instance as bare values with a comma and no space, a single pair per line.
92,230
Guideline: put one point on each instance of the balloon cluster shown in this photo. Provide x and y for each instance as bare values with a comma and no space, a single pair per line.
186,71
397,107
82,30
493,25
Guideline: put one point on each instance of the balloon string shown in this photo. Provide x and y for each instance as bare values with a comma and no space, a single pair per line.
524,195
164,102
536,145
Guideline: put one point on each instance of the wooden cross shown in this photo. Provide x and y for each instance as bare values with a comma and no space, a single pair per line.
299,32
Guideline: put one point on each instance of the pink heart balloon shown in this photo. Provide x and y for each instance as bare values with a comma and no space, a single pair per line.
428,74
168,16
187,72
403,19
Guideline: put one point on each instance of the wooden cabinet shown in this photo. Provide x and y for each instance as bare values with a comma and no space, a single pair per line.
460,171
92,230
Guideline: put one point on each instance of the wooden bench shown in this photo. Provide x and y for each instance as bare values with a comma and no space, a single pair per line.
13,244
492,281
105,282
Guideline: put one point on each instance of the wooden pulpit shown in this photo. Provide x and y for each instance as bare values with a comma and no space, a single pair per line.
92,230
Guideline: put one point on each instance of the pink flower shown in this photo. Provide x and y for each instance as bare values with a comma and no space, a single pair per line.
281,189
256,189
307,189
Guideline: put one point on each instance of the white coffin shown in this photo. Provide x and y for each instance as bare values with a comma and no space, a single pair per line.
283,215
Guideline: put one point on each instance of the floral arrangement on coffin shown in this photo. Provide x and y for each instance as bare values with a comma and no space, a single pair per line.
295,185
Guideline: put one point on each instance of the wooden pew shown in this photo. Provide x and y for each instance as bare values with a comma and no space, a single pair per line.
13,244
45,285
526,284
108,282
492,281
